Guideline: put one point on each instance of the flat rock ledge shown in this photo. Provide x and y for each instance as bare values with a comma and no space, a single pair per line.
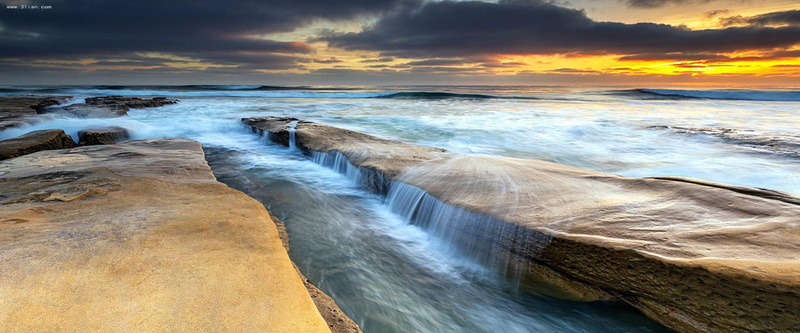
693,255
35,141
140,237
102,135
17,110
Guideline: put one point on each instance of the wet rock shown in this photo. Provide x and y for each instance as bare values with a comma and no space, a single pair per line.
114,106
694,255
776,143
95,111
34,142
21,109
129,102
102,136
139,237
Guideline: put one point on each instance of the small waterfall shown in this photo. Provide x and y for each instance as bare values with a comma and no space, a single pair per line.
339,163
503,247
292,129
371,179
500,246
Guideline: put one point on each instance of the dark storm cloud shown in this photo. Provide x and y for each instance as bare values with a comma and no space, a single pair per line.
331,60
384,59
789,17
99,28
661,3
473,28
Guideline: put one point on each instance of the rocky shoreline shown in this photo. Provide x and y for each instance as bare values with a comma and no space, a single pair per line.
693,255
144,229
109,234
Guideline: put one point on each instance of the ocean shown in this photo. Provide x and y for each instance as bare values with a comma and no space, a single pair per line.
391,276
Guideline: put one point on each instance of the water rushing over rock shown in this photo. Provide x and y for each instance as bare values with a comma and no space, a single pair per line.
476,236
680,250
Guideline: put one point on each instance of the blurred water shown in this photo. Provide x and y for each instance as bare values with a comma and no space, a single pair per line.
391,276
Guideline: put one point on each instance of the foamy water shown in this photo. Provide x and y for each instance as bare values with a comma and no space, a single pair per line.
393,276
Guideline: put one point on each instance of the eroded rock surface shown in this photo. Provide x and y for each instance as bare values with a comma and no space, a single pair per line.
17,110
35,141
694,255
102,136
140,237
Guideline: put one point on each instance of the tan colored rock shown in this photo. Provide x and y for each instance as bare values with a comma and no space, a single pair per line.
35,141
694,255
102,135
140,237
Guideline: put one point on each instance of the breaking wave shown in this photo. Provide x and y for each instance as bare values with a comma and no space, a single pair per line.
424,95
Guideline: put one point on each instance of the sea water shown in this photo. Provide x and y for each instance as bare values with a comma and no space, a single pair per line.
393,276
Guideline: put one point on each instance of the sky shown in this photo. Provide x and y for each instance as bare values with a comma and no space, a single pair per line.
393,42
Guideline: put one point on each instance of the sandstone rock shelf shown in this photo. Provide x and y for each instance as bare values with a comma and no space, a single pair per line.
694,255
139,236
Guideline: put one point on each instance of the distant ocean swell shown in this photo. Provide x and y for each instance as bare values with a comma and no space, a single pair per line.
741,95
406,93
446,95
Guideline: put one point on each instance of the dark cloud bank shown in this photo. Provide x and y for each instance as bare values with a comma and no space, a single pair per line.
472,28
661,3
789,17
208,30
446,33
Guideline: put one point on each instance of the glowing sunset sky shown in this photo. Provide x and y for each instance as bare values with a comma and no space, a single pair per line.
616,42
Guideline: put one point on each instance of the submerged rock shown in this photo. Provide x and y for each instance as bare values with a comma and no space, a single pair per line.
34,142
102,136
778,143
139,236
20,109
694,255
